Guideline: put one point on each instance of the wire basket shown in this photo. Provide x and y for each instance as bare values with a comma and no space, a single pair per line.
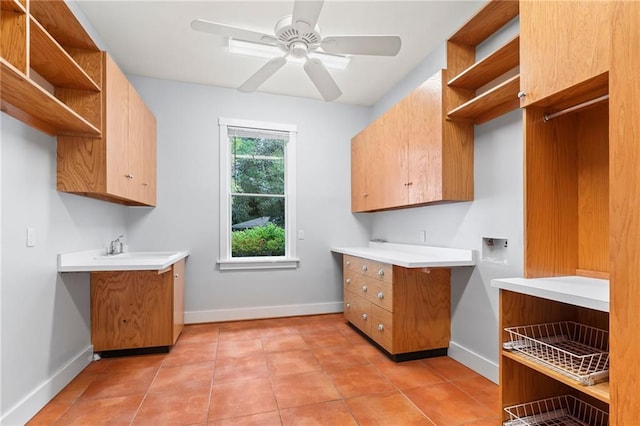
572,349
561,410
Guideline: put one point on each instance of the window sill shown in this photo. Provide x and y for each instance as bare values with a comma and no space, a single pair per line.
258,263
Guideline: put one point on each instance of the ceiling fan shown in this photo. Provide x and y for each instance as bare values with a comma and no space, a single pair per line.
297,36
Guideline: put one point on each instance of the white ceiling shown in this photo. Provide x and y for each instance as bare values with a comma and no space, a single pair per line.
154,39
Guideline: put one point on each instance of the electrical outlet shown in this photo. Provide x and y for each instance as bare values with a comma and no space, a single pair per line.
301,234
31,237
423,236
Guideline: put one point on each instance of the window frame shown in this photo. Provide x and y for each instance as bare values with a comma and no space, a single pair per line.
290,259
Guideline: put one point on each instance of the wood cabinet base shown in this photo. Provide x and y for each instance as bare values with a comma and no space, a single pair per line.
136,309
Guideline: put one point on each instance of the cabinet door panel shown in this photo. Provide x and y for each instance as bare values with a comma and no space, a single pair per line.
424,139
131,310
149,160
116,132
136,146
359,171
562,43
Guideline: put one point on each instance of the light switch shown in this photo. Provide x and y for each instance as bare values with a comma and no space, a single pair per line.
31,237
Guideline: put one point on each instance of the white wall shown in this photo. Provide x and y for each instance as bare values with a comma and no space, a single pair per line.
497,211
45,337
187,215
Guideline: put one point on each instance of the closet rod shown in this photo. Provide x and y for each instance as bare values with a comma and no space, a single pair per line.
548,117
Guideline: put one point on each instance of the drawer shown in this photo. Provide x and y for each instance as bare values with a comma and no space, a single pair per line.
352,280
377,292
370,268
382,327
357,311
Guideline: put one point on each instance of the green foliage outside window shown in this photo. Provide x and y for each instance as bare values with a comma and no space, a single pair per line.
268,240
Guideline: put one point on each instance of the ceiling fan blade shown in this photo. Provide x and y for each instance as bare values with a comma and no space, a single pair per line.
233,32
306,12
321,78
263,74
362,45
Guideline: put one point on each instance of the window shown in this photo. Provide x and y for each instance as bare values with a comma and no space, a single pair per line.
257,195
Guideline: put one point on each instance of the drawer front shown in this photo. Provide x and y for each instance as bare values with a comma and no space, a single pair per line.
382,327
357,311
350,280
370,268
379,293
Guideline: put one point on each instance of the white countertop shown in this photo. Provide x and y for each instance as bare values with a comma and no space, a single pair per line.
97,260
590,293
411,256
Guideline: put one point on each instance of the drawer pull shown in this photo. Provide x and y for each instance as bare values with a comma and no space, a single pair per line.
365,288
381,272
348,263
364,268
364,317
380,295
380,327
348,305
348,281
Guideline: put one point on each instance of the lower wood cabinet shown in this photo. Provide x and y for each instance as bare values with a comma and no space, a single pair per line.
137,309
406,311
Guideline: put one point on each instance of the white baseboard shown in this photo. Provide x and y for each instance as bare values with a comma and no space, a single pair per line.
20,413
218,315
477,363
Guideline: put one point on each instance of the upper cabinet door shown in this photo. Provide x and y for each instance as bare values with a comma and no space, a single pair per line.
563,44
359,171
116,134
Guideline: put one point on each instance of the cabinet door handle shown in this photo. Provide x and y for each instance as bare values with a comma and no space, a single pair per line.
364,317
380,295
521,94
145,184
176,275
348,305
129,176
381,272
348,281
365,288
380,327
348,263
364,268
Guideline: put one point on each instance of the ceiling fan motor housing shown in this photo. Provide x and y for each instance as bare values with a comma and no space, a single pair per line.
293,37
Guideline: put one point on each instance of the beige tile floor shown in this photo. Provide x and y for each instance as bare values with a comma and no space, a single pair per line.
313,370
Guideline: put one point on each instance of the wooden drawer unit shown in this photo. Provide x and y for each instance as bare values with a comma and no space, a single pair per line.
370,268
406,311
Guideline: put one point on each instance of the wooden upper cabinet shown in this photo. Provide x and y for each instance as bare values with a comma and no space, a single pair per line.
120,166
564,51
412,155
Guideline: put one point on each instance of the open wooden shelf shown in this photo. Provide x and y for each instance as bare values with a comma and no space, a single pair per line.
599,391
53,63
489,105
493,16
56,17
12,6
30,103
493,66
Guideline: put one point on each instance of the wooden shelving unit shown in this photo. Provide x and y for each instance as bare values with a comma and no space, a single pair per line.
470,76
53,63
491,104
42,40
25,100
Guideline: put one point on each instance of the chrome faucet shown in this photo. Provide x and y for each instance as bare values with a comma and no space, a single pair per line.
116,246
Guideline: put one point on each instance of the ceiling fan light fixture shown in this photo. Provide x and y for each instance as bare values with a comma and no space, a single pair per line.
259,50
